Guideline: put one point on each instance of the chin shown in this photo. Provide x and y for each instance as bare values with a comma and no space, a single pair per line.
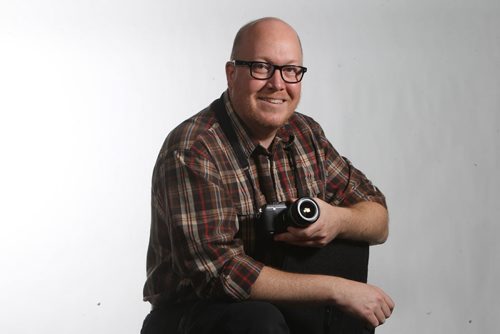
273,122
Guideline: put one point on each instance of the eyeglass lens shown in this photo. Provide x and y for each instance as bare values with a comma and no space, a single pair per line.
289,73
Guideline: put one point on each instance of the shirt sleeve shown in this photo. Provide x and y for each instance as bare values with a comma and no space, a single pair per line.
203,224
345,184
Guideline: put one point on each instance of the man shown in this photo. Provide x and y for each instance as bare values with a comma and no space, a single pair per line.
211,268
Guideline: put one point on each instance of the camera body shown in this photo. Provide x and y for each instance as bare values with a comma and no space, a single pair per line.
276,217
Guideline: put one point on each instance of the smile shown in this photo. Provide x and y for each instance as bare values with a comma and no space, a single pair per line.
273,101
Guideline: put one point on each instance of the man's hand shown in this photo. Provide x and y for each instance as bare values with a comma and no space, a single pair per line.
364,221
364,301
319,234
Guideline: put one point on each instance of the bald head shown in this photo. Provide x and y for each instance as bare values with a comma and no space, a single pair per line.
263,25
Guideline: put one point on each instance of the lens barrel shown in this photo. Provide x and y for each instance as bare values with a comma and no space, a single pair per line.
303,212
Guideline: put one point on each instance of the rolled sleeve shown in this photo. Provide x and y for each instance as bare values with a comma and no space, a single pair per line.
345,184
356,186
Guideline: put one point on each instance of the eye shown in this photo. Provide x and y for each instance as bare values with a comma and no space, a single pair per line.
262,67
292,70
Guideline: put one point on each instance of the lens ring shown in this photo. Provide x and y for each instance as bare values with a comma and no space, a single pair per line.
306,211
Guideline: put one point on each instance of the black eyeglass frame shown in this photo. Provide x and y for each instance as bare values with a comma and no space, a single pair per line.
274,68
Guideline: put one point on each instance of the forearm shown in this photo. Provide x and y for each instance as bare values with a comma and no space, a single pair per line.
364,221
363,301
282,287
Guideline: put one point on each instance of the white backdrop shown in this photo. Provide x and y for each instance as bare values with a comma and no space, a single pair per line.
408,90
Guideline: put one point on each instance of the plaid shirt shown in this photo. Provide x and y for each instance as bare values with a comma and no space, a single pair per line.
204,203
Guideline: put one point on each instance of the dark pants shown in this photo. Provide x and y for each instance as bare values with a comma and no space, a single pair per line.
250,317
340,258
204,317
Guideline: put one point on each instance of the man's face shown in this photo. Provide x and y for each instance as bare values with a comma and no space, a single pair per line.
265,105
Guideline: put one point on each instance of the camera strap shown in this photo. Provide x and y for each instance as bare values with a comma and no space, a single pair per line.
291,158
227,128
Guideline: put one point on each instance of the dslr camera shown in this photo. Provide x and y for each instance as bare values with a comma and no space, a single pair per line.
274,218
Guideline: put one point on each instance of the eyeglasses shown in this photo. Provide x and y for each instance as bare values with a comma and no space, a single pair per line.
262,71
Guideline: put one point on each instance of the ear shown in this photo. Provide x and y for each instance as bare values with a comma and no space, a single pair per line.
230,73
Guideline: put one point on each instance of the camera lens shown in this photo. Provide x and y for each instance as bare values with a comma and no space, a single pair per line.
304,211
307,210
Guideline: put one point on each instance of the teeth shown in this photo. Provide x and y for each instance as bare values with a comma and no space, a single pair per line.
274,101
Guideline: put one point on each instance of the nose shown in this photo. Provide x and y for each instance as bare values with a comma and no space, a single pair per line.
276,81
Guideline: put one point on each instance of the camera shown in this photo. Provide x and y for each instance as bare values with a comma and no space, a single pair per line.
276,217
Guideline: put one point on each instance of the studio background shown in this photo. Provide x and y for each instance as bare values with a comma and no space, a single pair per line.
408,90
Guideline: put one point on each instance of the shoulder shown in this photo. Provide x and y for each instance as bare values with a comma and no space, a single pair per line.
191,148
196,131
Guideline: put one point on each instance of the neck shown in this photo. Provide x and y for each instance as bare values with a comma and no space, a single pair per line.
266,143
262,135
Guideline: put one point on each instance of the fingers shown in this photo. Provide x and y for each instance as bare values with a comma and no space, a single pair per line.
372,321
386,307
373,304
298,238
386,311
313,232
305,233
389,302
292,239
378,316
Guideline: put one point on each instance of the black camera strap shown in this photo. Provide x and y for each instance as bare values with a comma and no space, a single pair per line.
227,128
291,157
265,243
